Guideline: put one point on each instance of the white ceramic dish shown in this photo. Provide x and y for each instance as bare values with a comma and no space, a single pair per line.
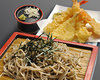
59,8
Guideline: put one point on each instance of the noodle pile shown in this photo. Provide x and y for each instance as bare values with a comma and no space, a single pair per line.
52,61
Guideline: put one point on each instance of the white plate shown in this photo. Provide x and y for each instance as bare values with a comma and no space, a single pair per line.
59,8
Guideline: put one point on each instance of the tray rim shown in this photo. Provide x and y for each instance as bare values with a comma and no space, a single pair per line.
91,61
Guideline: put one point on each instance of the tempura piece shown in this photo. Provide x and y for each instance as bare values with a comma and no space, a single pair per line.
76,7
59,18
96,28
63,16
51,27
87,18
83,34
79,24
65,31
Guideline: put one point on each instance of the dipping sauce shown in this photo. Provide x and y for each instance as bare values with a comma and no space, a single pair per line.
27,17
29,14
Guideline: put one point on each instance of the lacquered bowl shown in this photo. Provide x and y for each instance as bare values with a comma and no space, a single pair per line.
28,27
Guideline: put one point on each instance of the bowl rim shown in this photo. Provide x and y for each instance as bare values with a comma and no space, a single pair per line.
27,23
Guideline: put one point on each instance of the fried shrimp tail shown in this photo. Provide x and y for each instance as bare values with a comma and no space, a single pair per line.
83,2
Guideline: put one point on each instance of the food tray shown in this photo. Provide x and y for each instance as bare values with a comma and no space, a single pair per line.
92,60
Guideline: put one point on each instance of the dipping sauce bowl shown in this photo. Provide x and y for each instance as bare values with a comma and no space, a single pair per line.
29,24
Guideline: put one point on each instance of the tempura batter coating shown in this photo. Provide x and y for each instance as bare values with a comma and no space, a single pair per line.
65,31
63,16
51,27
83,34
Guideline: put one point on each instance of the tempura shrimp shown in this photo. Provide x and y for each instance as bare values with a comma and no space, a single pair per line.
87,18
76,6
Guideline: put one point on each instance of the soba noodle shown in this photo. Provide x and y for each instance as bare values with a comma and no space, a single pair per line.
55,61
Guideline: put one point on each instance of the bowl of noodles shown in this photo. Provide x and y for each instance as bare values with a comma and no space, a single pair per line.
30,57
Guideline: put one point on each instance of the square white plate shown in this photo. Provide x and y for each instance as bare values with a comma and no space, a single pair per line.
59,8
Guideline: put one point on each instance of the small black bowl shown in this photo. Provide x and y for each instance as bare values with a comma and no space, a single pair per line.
28,27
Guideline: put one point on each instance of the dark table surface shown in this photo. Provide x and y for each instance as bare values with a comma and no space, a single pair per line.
8,23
